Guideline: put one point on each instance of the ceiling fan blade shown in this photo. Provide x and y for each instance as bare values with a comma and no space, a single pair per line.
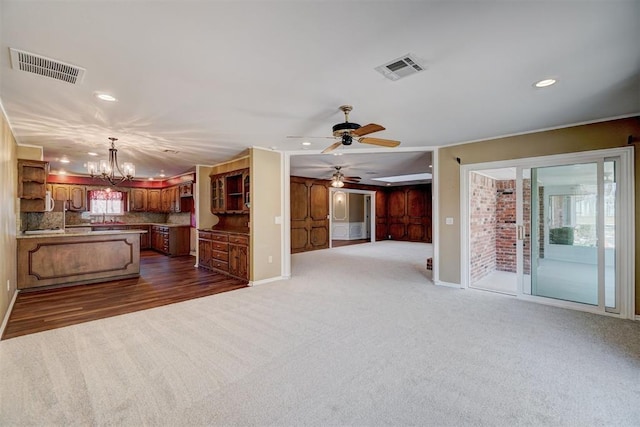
353,177
351,180
367,129
310,137
332,147
379,141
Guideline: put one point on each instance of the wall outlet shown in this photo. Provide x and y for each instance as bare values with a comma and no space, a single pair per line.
8,284
270,259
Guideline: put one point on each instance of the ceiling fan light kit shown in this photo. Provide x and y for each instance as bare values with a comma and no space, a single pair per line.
338,179
345,133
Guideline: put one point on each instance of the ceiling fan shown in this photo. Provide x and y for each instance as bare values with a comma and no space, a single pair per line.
347,131
338,178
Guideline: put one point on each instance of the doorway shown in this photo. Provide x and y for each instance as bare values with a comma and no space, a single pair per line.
560,233
492,237
350,217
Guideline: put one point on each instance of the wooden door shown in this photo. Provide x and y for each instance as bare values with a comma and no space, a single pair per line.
309,214
382,229
415,199
138,199
397,212
409,213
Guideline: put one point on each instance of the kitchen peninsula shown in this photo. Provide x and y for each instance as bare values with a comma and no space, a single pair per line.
74,258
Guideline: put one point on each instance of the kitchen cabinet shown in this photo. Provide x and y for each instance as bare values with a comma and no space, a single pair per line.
170,240
145,238
74,195
217,194
32,185
186,189
138,200
204,249
59,192
154,200
170,199
77,198
230,192
239,256
225,252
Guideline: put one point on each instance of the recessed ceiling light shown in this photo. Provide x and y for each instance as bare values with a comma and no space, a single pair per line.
62,172
150,178
162,175
337,154
105,97
545,83
306,143
64,160
92,154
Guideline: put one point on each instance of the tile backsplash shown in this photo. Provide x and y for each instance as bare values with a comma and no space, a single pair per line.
41,220
44,220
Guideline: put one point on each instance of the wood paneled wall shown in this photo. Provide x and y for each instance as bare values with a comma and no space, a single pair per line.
402,213
309,214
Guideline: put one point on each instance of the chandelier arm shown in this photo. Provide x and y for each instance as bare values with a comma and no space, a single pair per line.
110,174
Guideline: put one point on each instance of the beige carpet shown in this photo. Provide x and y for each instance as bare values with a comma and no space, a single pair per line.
357,337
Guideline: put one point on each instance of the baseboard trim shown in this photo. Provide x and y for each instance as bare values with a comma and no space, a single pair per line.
269,280
8,313
448,284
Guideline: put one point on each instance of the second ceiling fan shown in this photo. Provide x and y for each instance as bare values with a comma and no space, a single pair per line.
348,131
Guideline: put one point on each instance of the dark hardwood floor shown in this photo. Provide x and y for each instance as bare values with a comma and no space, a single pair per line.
163,280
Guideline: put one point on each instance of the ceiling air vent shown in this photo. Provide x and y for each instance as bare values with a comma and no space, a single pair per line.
32,63
401,67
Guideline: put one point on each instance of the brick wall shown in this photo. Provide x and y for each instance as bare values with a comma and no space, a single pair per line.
506,225
482,227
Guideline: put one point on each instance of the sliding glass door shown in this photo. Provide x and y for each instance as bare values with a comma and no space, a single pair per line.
567,230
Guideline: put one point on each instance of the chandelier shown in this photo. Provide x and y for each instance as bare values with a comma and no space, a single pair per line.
106,169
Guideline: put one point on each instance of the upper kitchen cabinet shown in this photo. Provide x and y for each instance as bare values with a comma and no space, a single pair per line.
230,192
75,196
32,185
138,200
154,200
171,199
186,189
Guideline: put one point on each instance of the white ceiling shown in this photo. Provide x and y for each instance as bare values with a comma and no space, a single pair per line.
209,79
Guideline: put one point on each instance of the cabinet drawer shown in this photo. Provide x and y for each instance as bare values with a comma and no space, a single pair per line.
220,255
204,235
220,237
220,265
220,246
239,239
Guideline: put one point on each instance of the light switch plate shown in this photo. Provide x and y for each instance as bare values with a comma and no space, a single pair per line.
448,220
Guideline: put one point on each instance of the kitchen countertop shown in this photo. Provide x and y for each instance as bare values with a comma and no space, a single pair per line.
239,230
77,233
115,224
